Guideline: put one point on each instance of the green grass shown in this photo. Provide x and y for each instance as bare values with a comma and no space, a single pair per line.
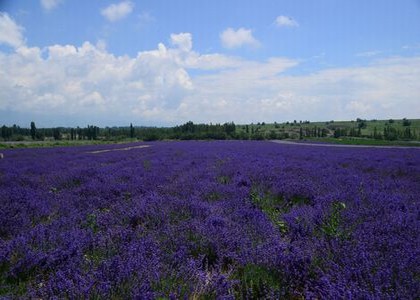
398,124
62,143
292,130
331,225
255,279
274,206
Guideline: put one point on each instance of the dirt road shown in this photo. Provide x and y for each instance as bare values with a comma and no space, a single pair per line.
340,145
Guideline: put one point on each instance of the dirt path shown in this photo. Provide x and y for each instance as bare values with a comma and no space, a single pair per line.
341,145
118,149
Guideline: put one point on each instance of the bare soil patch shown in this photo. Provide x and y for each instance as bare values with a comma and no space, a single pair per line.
119,149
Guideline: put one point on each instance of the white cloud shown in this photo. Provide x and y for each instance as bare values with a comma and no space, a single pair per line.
78,81
182,40
232,38
285,21
213,61
50,4
254,92
359,107
173,84
115,12
10,32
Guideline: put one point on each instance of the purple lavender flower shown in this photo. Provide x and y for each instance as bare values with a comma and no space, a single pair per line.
231,219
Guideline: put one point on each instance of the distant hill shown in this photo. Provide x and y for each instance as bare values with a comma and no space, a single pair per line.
403,129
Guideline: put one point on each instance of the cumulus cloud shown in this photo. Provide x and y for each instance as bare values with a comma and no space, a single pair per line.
255,92
117,11
182,40
78,81
172,84
232,38
50,4
10,32
285,21
157,86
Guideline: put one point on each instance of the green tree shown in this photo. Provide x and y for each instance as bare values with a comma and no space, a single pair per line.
361,124
131,131
407,133
272,135
6,132
406,122
33,130
376,134
229,128
56,134
72,134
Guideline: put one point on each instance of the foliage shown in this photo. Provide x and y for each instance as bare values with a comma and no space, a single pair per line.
394,130
33,130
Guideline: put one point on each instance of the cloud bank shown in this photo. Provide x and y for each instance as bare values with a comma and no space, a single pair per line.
68,85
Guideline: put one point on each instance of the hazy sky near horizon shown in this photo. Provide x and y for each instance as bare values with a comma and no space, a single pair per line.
160,62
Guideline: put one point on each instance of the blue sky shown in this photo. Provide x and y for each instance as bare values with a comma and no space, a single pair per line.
67,63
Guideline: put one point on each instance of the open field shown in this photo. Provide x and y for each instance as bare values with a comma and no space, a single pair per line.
366,134
47,144
206,220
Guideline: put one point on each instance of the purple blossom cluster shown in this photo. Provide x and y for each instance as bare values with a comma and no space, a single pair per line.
228,219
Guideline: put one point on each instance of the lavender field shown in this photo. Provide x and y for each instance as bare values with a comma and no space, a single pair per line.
209,220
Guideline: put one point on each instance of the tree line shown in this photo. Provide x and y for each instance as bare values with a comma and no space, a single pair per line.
186,131
190,131
389,132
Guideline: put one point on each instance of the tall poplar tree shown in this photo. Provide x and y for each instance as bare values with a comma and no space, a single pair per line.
131,131
33,130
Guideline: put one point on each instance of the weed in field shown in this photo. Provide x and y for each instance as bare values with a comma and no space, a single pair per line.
331,226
